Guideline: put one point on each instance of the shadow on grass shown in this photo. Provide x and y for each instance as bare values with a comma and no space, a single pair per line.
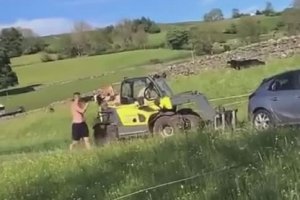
20,90
262,160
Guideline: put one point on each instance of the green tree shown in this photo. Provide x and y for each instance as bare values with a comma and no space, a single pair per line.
177,38
109,29
291,18
140,37
269,10
81,37
100,42
11,40
7,76
149,25
32,43
124,32
236,13
258,12
249,29
154,28
296,4
215,14
202,41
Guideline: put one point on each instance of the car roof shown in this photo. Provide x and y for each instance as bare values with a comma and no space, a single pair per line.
282,73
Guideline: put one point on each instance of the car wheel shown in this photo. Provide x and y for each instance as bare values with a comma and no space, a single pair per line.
263,120
194,122
166,126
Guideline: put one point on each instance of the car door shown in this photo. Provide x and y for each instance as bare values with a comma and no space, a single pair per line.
285,98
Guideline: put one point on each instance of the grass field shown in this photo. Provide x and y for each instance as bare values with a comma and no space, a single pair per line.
26,60
121,64
243,166
58,92
157,39
213,83
35,164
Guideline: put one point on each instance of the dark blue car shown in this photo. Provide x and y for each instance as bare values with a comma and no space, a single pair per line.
276,101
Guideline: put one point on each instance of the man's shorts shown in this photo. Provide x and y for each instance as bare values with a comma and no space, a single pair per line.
79,130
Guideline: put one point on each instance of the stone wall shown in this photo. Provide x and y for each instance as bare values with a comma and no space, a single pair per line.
281,48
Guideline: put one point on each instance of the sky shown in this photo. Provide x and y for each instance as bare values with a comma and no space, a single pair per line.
46,17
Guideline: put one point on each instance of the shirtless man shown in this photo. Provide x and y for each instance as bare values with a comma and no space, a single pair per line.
79,127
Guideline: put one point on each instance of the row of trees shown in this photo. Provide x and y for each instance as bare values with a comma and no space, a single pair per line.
84,40
268,11
216,14
208,40
17,41
248,30
133,34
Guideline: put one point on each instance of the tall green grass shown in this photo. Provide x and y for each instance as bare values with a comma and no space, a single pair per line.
39,131
243,166
43,73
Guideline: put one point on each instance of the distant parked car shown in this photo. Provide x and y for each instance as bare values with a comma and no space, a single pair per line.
276,101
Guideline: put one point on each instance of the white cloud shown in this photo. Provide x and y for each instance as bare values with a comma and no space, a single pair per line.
43,26
251,9
48,26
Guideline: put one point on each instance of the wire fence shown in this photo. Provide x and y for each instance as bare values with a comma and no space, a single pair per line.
91,93
220,170
230,97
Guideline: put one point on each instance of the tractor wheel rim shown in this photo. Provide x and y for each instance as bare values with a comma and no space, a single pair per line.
167,131
262,122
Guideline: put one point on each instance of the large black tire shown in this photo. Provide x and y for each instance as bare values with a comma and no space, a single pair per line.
166,126
195,122
263,120
104,134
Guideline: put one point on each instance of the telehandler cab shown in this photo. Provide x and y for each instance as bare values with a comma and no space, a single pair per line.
149,106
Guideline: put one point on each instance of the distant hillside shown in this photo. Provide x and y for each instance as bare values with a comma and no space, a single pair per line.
158,39
269,22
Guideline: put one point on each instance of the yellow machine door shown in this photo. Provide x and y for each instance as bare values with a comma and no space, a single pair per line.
134,117
134,120
128,115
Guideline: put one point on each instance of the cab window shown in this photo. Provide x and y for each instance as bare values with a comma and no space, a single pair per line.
284,82
126,93
139,87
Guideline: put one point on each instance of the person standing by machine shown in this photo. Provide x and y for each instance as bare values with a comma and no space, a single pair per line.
80,130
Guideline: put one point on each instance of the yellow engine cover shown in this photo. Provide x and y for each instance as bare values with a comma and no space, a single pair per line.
135,115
